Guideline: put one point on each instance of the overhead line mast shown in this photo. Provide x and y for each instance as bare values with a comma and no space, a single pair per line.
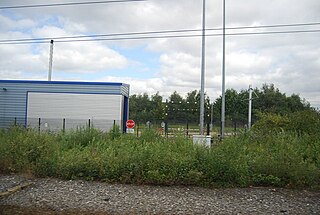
203,68
223,102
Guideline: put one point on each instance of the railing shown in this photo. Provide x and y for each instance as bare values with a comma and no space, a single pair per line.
64,124
167,129
187,129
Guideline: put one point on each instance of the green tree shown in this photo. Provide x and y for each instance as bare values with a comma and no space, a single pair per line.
268,99
140,108
157,107
236,107
192,106
175,107
295,103
271,100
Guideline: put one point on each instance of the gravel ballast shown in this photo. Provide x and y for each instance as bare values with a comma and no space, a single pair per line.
54,196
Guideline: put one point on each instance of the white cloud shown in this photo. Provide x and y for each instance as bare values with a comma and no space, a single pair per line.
13,25
180,69
90,57
246,62
85,58
19,58
290,61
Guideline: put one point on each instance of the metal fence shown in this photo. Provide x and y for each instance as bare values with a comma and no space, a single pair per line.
55,125
188,129
167,129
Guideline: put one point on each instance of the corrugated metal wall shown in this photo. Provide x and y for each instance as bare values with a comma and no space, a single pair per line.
14,94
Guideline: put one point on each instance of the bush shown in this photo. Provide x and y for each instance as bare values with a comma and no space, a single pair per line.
270,123
305,122
285,159
25,150
301,122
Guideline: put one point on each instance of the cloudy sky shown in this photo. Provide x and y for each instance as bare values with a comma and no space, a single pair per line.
291,61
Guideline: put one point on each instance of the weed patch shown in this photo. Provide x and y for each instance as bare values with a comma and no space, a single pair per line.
283,159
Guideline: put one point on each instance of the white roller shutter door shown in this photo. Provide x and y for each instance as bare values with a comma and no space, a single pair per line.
70,106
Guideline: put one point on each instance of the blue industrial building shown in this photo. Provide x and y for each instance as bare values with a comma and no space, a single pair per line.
56,105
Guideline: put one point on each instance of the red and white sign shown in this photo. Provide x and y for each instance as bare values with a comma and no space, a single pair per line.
130,124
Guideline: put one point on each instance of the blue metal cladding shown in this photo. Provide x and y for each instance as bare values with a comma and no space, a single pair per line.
125,113
13,95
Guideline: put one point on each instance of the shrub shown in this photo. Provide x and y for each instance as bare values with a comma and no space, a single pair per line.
270,123
284,159
307,122
25,150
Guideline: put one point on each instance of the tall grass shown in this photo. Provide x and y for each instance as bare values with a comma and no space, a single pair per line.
282,159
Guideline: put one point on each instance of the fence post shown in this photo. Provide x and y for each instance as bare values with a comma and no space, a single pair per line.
137,129
15,121
64,125
39,125
89,124
187,128
166,129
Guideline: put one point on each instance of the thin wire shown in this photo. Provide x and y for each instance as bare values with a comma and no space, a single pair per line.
159,32
272,32
103,35
165,37
274,26
105,39
67,4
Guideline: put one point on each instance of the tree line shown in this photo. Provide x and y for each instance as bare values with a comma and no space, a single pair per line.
176,109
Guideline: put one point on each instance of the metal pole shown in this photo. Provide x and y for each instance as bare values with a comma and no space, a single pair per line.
187,128
50,60
211,120
250,107
223,105
39,125
64,125
202,68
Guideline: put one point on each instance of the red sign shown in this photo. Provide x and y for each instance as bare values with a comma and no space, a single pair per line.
130,123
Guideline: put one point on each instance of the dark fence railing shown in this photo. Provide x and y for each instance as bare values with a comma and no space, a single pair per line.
64,124
165,128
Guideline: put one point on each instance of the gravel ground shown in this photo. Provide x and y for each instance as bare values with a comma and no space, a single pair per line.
53,196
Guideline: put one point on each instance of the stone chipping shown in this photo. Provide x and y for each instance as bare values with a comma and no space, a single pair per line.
55,196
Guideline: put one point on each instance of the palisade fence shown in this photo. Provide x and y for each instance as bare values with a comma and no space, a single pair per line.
59,124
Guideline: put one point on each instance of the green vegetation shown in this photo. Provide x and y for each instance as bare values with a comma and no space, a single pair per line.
279,151
177,109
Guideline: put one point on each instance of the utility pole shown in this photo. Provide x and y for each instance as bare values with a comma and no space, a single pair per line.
203,68
50,60
250,107
223,101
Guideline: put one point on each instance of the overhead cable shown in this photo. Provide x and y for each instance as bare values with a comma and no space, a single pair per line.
67,4
164,37
158,32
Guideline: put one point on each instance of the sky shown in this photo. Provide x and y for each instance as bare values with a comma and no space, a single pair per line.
290,61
